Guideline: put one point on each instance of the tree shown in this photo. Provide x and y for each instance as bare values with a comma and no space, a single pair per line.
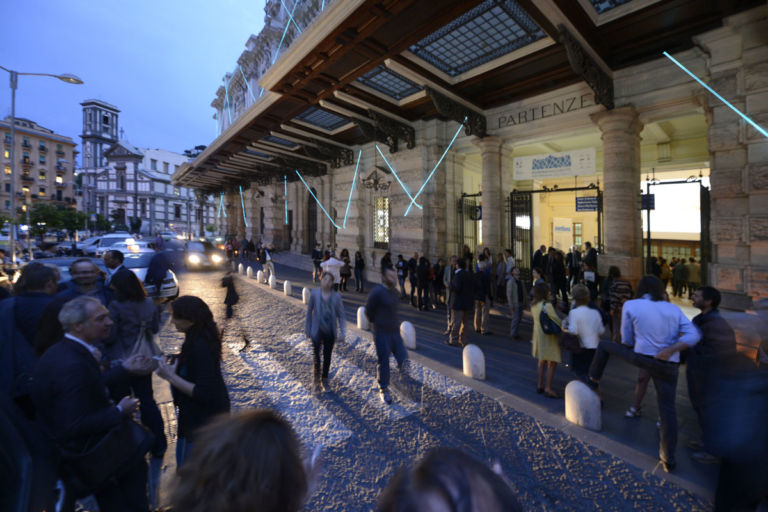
195,152
72,220
44,216
102,223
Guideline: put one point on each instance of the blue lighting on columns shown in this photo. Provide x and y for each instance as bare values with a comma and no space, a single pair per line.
398,178
317,200
413,201
743,116
242,203
290,16
221,207
352,188
285,196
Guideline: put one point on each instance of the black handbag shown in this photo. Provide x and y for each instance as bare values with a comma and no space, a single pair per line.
571,342
547,324
111,455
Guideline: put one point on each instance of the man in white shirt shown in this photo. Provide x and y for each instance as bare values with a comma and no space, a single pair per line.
333,267
653,333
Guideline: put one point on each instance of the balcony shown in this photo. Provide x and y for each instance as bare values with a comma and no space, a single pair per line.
25,161
61,185
27,177
60,152
42,148
26,144
7,140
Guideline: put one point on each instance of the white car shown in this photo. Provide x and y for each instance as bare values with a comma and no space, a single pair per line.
105,243
138,263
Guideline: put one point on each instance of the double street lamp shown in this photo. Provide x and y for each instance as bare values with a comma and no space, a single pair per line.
66,77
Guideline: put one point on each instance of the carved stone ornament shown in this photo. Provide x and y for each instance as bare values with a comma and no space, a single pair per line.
584,66
387,131
446,107
305,167
338,157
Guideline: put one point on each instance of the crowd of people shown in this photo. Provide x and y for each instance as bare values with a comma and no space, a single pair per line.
78,359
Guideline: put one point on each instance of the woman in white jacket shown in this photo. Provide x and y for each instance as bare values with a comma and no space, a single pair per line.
588,325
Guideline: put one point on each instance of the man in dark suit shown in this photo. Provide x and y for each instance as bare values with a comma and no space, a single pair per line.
86,280
463,295
590,256
113,260
72,402
538,257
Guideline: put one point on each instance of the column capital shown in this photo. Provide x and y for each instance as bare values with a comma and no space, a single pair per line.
622,118
488,144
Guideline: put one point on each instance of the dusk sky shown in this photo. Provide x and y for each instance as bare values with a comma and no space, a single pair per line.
159,62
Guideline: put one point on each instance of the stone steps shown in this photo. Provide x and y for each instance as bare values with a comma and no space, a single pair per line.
292,259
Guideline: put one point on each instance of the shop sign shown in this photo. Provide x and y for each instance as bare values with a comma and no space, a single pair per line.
580,162
586,204
540,111
649,202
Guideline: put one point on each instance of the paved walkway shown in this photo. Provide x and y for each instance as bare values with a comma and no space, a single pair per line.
511,376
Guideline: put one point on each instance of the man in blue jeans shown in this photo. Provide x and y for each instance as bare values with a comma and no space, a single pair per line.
653,332
381,310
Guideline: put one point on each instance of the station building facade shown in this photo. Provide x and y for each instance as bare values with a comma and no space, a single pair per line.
546,140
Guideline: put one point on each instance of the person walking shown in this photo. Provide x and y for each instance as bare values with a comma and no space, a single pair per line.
381,310
136,320
333,266
447,276
323,326
317,257
195,378
422,283
345,272
231,298
268,264
546,347
653,332
402,272
587,324
499,278
694,276
463,302
359,269
516,300
413,277
481,286
679,278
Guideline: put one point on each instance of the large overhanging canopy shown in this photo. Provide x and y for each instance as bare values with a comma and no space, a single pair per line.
366,70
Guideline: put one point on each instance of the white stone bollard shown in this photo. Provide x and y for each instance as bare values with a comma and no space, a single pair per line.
473,360
240,269
260,276
362,320
305,293
273,282
582,406
408,333
249,272
287,288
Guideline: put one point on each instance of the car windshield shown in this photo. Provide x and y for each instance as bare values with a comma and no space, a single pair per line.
200,246
109,242
139,260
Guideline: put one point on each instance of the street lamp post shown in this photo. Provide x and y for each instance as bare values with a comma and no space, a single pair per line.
65,77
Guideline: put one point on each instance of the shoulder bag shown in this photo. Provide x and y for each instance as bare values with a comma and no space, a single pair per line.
145,345
547,324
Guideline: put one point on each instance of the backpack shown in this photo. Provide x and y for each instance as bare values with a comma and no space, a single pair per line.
547,324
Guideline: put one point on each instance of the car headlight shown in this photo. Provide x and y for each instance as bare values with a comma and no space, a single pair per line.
194,259
216,258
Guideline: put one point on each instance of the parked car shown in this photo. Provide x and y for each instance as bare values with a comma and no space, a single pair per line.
79,247
138,263
106,242
202,254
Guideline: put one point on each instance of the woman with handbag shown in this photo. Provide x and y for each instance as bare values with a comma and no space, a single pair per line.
195,376
587,324
546,347
136,321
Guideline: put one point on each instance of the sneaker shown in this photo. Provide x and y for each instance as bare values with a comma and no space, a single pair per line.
632,412
385,396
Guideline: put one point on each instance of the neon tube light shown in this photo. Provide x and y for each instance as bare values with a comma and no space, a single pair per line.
743,116
246,83
242,203
221,207
435,168
285,196
317,200
274,57
398,178
352,188
290,16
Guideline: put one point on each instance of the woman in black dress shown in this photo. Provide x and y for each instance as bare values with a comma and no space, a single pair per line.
195,377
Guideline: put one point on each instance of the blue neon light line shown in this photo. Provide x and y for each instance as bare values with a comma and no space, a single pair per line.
290,16
285,196
398,178
242,203
221,206
317,201
277,52
743,116
352,188
246,83
435,168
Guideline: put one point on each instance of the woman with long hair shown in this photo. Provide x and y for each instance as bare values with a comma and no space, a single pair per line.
359,268
136,320
546,347
195,376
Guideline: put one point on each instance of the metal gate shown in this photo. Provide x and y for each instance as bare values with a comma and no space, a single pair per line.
521,222
469,215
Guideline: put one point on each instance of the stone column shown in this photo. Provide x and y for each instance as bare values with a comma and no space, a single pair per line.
454,168
737,56
493,204
622,227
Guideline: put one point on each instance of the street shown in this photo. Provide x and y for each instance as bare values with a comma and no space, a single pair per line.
364,442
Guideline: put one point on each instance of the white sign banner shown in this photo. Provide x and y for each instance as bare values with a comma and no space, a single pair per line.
580,162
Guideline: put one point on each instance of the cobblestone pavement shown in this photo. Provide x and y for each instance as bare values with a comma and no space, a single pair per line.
365,442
